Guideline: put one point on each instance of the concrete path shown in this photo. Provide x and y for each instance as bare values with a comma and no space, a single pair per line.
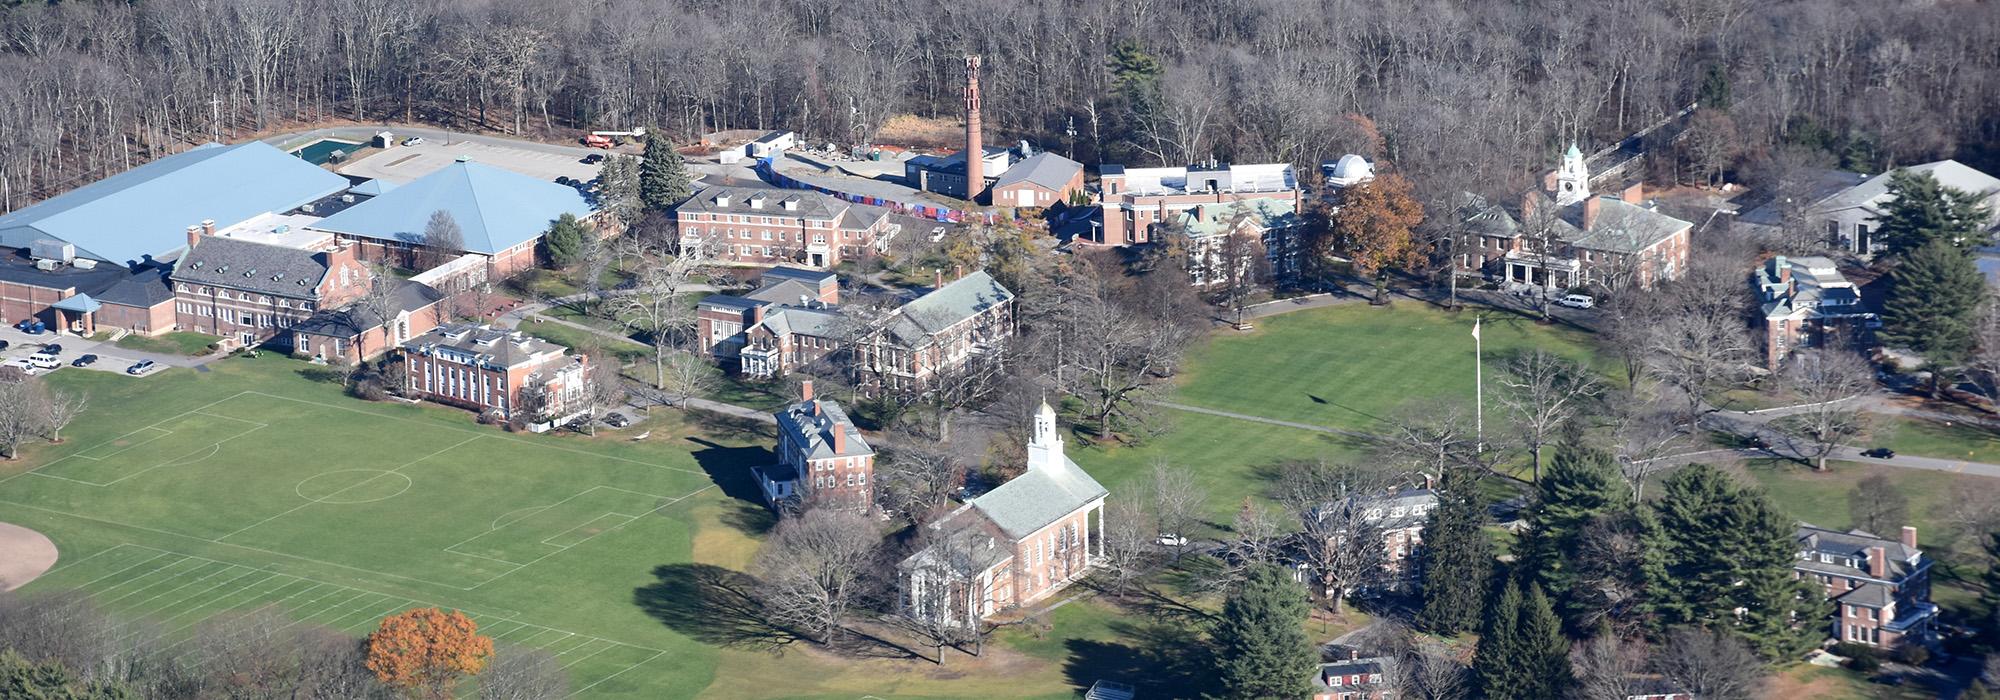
1266,421
24,556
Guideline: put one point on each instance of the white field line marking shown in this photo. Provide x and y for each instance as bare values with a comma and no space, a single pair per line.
170,578
398,470
270,605
156,424
588,523
226,568
649,659
162,432
662,506
581,659
212,448
205,591
225,596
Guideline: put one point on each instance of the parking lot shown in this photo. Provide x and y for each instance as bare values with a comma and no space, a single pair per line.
110,357
401,164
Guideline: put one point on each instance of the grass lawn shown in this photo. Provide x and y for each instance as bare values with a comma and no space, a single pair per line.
1351,366
1230,457
1930,438
184,494
171,343
577,338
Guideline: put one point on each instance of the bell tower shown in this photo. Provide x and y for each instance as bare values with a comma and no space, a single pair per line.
1045,448
1573,178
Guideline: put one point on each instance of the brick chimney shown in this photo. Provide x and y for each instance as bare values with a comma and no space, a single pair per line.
1878,562
194,236
1909,537
1528,206
806,390
1634,193
208,227
1590,206
938,273
1784,270
839,437
756,314
958,272
975,151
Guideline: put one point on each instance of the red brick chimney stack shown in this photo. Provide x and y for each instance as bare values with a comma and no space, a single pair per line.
806,390
1909,537
1528,206
1590,205
839,438
1878,562
208,227
939,274
194,236
975,151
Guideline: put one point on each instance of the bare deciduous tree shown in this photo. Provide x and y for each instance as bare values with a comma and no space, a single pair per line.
443,241
1610,668
657,306
1643,436
1432,436
1432,671
685,376
1710,664
1696,354
523,673
1826,383
1126,543
917,477
1982,365
1177,503
814,569
1544,393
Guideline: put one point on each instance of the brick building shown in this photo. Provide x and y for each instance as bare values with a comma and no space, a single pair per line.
1276,226
1806,302
501,215
822,458
1019,543
354,333
1568,237
1881,588
1399,516
1040,180
762,226
1136,199
250,293
498,370
936,334
787,322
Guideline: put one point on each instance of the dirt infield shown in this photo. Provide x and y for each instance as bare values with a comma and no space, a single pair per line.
24,555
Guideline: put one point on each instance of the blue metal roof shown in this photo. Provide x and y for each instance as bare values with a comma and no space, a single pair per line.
372,188
144,212
496,209
81,303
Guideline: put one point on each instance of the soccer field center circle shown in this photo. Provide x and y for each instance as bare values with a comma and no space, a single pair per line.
351,486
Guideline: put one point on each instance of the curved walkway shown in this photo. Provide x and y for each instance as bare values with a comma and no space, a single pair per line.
24,556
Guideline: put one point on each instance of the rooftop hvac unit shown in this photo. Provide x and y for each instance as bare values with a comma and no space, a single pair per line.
347,199
47,264
84,263
49,249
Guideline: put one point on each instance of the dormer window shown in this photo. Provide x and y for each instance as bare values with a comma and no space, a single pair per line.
756,201
722,200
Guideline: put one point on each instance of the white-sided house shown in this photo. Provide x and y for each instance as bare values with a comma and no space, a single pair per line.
1849,216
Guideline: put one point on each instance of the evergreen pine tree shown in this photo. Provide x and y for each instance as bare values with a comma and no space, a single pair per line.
663,176
1989,594
1581,484
1692,573
1456,561
1727,549
1542,650
1496,662
1934,296
618,190
1782,614
564,239
1261,641
1920,211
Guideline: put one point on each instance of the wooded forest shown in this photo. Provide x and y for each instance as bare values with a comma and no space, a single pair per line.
1459,94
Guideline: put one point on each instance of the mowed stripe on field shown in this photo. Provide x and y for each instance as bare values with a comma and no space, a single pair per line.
173,593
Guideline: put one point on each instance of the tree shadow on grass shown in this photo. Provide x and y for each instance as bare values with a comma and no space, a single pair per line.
712,605
732,426
1159,659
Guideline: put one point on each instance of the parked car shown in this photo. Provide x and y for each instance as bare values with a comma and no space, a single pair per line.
1168,539
52,348
42,360
1880,453
414,141
141,367
616,420
1577,301
593,159
31,326
85,361
4,344
22,363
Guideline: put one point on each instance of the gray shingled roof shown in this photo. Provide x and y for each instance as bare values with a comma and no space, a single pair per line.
815,431
1621,226
1950,173
809,205
1869,595
791,319
142,289
1037,498
354,318
248,265
1046,169
1852,543
784,292
963,298
811,277
496,347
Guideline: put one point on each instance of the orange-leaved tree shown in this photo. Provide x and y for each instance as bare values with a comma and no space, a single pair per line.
423,652
1375,228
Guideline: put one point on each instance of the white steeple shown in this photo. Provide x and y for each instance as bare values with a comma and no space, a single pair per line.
1045,448
1573,178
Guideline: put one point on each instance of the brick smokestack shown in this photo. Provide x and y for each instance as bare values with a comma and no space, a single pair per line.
975,151
1590,206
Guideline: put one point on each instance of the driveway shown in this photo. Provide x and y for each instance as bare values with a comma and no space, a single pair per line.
111,358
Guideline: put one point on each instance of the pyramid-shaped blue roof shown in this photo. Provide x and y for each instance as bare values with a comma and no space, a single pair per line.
496,209
145,211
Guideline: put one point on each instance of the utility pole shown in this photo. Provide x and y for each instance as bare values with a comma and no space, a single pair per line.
1478,390
215,115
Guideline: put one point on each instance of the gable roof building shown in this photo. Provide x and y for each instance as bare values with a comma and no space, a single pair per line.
936,334
143,213
1804,299
497,210
1880,587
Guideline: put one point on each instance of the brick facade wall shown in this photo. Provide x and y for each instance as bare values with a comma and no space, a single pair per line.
775,238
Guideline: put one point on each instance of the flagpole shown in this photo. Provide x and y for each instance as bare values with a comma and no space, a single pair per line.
1479,388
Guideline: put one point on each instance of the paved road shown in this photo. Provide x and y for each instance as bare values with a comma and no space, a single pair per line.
402,131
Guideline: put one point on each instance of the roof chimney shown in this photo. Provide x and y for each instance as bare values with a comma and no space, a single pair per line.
194,235
1634,193
1878,562
839,436
1590,205
958,271
939,274
806,390
1910,537
1528,206
208,227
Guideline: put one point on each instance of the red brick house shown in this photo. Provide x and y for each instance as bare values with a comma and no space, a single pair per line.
1805,301
761,226
352,333
1881,588
788,317
1134,200
1566,236
251,293
1041,180
497,370
822,458
1019,543
936,334
1356,678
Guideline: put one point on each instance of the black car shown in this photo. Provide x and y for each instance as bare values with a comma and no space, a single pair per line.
593,159
84,361
616,420
1880,453
564,180
4,344
52,348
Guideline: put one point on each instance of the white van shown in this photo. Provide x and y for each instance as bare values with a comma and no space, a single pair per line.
1577,301
43,360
